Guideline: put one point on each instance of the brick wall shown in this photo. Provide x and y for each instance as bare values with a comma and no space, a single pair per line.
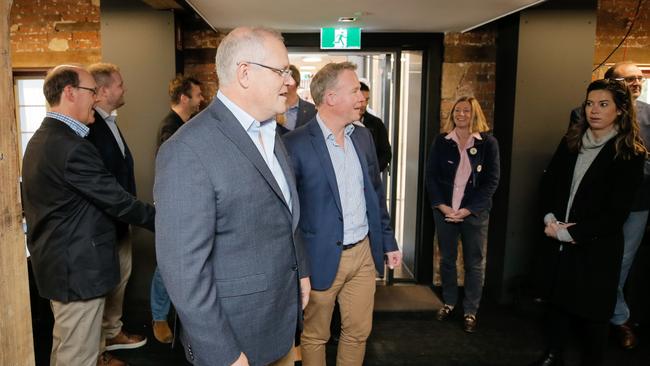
468,69
47,33
199,47
613,20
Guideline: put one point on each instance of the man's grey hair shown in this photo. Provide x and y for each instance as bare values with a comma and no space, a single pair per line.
326,79
242,44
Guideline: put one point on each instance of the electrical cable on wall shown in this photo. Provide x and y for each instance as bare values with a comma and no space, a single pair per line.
629,30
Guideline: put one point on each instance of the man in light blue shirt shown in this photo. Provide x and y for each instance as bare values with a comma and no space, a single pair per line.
343,218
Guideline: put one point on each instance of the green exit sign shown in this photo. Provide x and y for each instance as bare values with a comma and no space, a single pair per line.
340,38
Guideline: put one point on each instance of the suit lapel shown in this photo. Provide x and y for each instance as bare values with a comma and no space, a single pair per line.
232,129
281,154
318,141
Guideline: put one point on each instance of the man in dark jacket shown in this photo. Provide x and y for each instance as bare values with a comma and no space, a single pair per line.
112,147
186,97
377,129
299,111
71,201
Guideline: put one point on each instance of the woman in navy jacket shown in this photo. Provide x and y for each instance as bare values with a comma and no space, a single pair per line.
462,175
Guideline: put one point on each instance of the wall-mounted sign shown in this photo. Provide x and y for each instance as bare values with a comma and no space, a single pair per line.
340,38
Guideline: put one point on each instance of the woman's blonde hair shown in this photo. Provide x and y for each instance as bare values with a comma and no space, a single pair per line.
478,124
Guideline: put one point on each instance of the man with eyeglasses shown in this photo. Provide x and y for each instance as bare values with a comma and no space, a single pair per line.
635,225
109,141
227,246
71,202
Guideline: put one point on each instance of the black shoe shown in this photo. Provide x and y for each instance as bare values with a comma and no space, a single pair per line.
550,358
469,324
443,312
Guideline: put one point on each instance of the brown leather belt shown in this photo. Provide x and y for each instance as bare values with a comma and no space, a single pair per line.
350,246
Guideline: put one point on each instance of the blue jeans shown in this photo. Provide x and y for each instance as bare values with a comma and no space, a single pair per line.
633,231
159,298
473,234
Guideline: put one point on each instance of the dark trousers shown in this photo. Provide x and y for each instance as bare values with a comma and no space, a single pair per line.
473,234
592,334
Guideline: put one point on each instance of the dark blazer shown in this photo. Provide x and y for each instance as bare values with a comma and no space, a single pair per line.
443,164
582,278
321,222
121,166
71,202
306,111
169,125
226,247
380,137
642,200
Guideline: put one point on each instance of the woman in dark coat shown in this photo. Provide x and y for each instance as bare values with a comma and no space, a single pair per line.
587,192
462,175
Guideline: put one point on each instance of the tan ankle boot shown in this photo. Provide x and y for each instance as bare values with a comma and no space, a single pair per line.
162,332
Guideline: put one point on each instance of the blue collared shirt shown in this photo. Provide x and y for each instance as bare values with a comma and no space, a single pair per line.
76,126
109,118
291,116
349,179
266,131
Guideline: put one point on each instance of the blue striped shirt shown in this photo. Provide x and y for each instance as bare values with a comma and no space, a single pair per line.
76,126
349,179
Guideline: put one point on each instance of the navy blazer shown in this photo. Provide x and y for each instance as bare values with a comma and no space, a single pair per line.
321,218
306,111
443,164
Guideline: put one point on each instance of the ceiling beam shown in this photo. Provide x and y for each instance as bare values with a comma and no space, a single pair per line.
163,4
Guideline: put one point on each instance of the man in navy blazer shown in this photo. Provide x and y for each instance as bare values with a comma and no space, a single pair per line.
344,220
299,111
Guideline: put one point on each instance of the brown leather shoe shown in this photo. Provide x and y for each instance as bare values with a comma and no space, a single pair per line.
125,340
443,312
162,332
107,359
626,336
470,323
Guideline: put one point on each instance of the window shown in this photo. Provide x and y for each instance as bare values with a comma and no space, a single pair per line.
30,107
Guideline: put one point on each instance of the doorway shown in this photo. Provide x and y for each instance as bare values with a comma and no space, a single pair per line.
395,82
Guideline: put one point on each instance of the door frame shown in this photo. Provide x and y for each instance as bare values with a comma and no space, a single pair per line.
431,45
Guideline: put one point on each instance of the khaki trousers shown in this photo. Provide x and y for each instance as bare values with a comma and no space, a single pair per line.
77,332
112,321
354,289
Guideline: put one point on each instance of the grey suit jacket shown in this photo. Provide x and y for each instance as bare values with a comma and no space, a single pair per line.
227,247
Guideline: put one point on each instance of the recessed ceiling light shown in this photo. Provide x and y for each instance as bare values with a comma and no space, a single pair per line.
307,67
347,19
312,59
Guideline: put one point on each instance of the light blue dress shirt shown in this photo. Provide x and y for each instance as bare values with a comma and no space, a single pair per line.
76,126
266,131
291,116
112,125
349,179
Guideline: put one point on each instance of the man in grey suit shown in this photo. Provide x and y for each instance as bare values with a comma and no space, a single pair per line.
228,250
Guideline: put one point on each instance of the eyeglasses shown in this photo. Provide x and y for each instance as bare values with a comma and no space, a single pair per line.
631,79
282,72
92,90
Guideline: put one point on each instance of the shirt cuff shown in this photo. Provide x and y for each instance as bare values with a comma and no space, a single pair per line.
564,236
549,218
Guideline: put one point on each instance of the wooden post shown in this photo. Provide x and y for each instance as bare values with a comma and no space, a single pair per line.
16,345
